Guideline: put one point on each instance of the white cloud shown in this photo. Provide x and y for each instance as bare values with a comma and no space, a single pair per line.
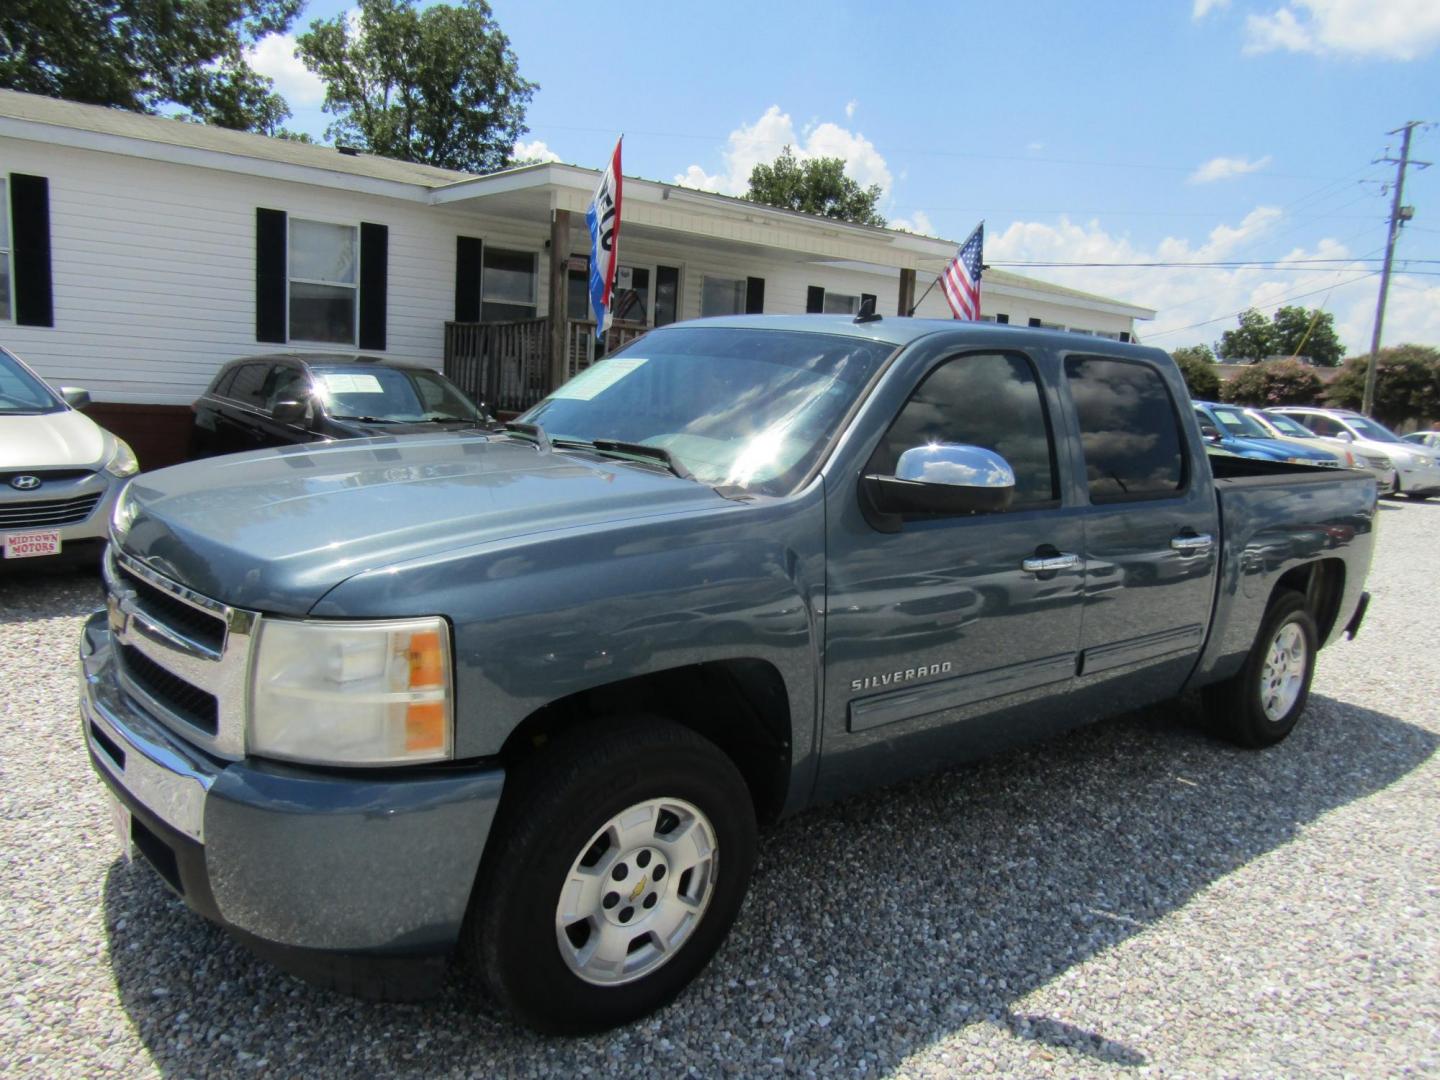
918,222
1204,7
850,107
1226,168
1035,147
532,152
1389,29
274,56
753,144
1189,295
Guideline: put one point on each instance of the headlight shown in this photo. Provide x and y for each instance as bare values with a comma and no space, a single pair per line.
122,461
124,514
352,693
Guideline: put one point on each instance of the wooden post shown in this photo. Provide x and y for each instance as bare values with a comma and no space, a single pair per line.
559,290
907,292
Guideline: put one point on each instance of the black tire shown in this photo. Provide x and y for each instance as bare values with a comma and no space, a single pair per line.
1235,708
1419,496
554,804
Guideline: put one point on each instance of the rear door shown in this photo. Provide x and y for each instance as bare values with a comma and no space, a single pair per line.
939,643
1151,533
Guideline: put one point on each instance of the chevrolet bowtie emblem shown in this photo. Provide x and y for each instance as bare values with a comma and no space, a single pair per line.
639,888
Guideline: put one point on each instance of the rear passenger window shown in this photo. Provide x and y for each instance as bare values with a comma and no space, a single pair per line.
249,385
990,400
222,384
1128,429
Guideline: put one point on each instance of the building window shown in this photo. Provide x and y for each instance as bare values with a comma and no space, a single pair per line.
840,304
722,296
5,309
324,281
508,285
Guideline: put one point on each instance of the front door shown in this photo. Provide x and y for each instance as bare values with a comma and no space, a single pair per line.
939,643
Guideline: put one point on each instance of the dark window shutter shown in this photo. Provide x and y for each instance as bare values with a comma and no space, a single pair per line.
468,253
814,300
667,294
270,321
754,296
374,275
1002,318
30,218
1124,335
1034,322
874,300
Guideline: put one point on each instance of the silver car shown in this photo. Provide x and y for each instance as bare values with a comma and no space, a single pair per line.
1417,474
59,471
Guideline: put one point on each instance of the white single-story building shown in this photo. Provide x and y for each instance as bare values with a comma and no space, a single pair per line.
138,254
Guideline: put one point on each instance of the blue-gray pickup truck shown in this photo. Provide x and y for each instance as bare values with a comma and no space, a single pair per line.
522,698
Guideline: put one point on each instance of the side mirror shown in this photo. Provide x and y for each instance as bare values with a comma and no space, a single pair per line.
1344,436
288,411
1210,432
942,478
75,396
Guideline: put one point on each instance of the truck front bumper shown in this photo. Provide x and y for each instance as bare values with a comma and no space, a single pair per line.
358,880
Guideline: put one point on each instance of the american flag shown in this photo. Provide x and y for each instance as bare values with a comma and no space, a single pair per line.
961,279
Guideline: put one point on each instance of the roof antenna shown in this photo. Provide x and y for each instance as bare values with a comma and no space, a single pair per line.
867,311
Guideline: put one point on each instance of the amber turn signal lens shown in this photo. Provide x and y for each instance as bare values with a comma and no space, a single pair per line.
425,727
427,662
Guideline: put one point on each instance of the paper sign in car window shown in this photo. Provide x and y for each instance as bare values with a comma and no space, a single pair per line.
336,383
596,380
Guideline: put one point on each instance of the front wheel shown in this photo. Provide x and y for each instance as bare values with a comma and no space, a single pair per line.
615,871
1261,704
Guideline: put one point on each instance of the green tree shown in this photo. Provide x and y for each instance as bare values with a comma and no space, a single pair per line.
1407,384
1307,332
439,86
145,55
1291,331
814,186
1276,382
1197,365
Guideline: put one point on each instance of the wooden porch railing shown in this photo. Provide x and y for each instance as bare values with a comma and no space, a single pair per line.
507,365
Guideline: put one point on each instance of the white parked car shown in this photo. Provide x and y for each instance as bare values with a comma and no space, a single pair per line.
1428,439
59,471
1350,456
1417,473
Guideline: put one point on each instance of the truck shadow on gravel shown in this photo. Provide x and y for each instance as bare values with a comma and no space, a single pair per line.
874,927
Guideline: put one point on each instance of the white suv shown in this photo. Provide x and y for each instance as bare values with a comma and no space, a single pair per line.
1417,473
59,471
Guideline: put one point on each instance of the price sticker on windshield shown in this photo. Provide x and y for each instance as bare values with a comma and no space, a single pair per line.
337,383
596,380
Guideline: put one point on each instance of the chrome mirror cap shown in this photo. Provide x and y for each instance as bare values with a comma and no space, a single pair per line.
955,465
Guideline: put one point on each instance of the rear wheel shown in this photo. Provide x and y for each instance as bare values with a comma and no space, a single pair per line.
1261,704
616,869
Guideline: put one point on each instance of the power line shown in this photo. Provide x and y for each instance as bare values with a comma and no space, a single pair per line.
1263,307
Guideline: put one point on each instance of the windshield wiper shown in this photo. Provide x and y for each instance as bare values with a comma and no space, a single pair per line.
372,419
655,453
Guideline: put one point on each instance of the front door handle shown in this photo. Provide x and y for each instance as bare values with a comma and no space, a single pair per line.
1188,543
1048,564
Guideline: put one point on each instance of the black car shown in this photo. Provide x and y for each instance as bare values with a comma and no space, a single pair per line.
284,398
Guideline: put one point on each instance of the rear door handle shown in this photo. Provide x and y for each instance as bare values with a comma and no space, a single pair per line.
1046,564
1188,543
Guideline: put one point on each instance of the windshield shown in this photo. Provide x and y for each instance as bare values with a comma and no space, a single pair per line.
1235,422
396,395
1290,428
22,393
735,406
1368,429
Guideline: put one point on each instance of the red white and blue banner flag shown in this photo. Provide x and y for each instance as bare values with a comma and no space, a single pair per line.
961,279
603,217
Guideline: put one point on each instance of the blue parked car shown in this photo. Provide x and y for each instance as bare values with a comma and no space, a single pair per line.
1227,427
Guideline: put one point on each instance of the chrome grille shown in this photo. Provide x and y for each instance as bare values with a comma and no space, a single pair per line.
183,657
47,513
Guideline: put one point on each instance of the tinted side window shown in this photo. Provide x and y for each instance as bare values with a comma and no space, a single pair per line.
248,387
1321,425
990,400
286,384
1128,429
223,383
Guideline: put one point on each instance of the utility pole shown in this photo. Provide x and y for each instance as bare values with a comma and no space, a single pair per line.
1398,215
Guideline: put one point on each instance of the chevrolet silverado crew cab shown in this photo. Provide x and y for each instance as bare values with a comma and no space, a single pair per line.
522,697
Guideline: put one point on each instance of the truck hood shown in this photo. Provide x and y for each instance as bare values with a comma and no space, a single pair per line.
275,530
65,439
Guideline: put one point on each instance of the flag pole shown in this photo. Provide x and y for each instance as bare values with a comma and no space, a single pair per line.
916,306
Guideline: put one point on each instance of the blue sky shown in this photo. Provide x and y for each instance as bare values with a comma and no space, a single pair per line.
1120,131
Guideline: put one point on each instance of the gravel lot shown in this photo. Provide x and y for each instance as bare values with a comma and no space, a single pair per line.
1133,897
